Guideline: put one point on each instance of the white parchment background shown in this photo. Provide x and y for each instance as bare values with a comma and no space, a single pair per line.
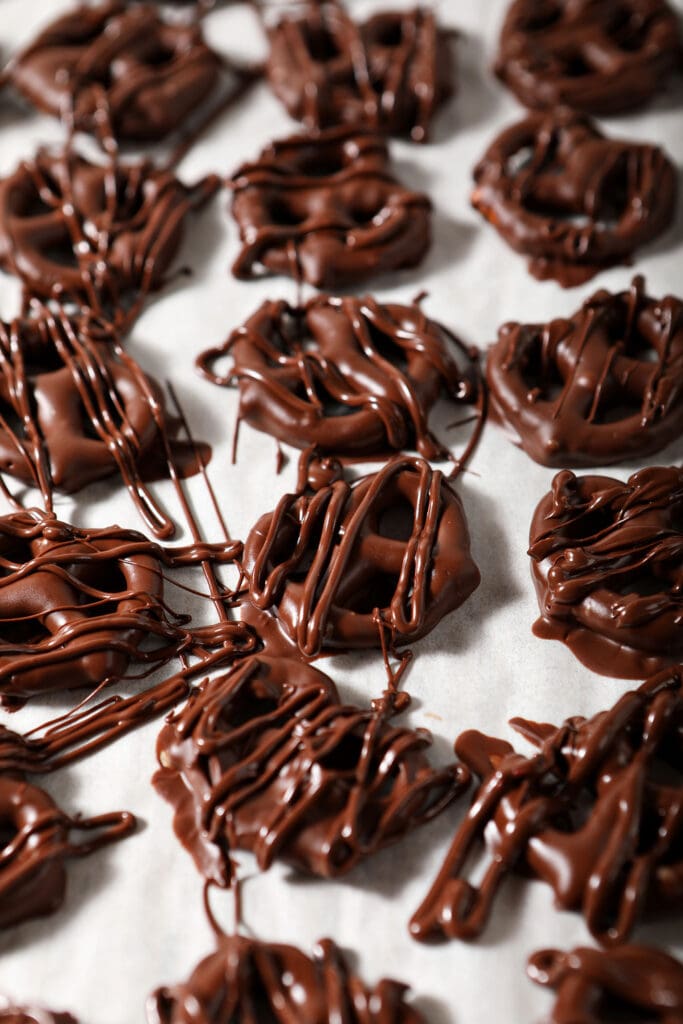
133,918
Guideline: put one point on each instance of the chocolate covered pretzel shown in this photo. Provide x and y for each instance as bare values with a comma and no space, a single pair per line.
389,73
100,235
267,759
572,200
11,1014
122,63
284,984
348,566
602,386
600,57
35,842
599,986
607,564
348,376
596,814
327,209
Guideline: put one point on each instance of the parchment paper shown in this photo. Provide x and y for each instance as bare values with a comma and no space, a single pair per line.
133,917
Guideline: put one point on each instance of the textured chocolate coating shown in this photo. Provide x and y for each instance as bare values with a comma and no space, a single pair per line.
35,836
348,376
65,236
607,564
349,565
596,814
10,1014
326,209
143,73
609,986
603,386
571,199
245,981
267,759
390,73
600,57
75,604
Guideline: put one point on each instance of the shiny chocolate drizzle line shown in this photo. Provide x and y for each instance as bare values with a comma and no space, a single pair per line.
11,1014
390,73
326,209
36,840
571,199
65,626
597,986
99,235
267,759
603,386
597,814
350,376
246,981
341,566
607,562
76,408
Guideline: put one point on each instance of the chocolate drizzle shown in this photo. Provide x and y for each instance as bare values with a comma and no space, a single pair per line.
601,987
597,814
604,386
349,376
246,981
267,759
600,58
607,563
326,209
102,235
350,565
10,1014
145,74
572,200
390,73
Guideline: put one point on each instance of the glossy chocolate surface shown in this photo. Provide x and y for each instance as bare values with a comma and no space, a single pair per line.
36,839
610,986
607,563
327,209
268,759
349,376
102,235
122,63
596,814
600,57
246,981
350,566
389,73
572,200
603,386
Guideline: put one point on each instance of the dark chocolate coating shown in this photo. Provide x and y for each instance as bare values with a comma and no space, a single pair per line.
596,56
348,376
10,1014
267,759
62,235
144,74
352,564
390,73
607,564
596,814
572,200
603,386
75,604
246,981
327,210
36,841
597,986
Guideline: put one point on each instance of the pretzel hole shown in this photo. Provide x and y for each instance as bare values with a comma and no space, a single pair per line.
331,406
541,378
15,551
378,594
396,522
281,213
625,30
364,212
614,194
106,577
320,43
575,66
28,202
22,631
159,56
387,32
61,255
344,756
544,17
387,347
617,409
8,832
